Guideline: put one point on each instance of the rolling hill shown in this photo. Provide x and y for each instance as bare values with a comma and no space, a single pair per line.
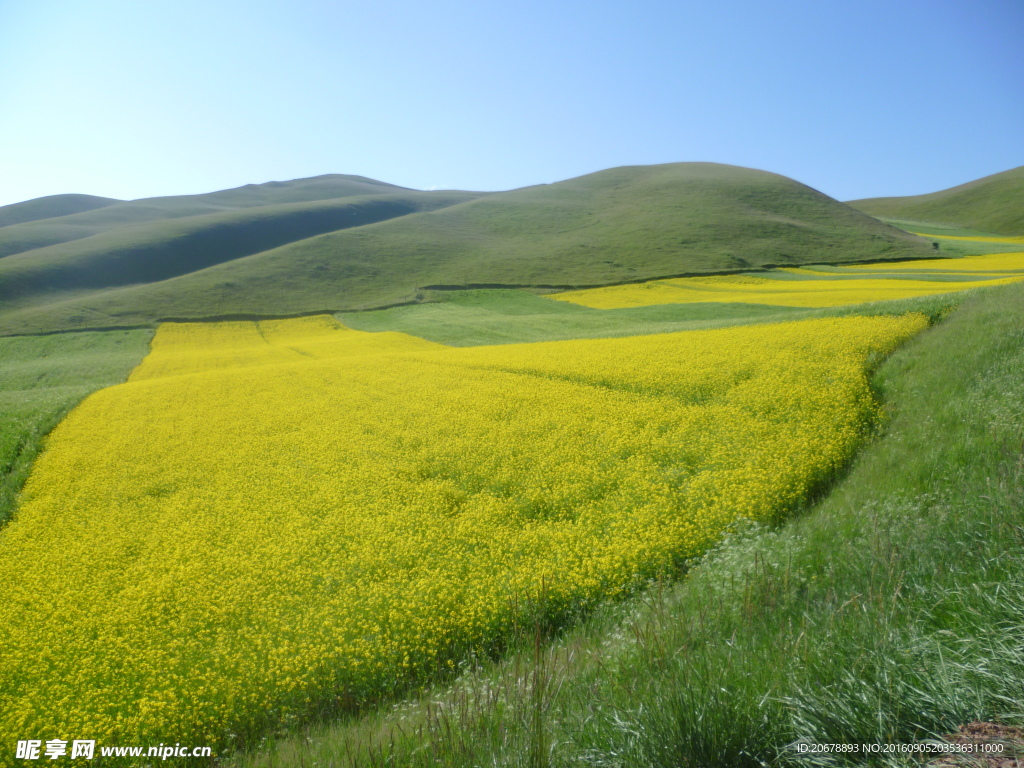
163,249
51,207
617,225
44,228
993,204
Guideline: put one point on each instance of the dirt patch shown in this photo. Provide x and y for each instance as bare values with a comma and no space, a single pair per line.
992,746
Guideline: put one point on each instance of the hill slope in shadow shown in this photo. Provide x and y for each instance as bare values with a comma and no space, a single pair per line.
51,206
89,220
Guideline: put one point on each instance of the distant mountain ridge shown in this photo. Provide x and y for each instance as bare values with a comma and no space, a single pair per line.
991,204
368,251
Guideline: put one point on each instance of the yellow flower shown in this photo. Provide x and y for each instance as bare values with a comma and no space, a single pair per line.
269,515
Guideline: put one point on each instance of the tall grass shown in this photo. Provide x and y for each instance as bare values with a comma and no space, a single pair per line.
891,612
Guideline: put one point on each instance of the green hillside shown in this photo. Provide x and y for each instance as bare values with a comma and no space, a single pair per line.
618,225
50,207
85,223
163,249
994,204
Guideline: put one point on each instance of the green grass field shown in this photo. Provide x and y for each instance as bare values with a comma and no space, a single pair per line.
991,205
41,379
612,226
475,317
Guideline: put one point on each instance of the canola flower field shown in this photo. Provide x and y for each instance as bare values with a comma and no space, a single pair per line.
272,518
1008,240
819,288
994,264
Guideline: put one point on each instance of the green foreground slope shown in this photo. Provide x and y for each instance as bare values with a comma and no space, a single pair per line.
993,204
889,613
618,225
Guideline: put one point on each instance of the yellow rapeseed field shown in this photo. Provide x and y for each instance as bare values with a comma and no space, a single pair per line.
758,290
817,288
272,518
1005,263
1010,240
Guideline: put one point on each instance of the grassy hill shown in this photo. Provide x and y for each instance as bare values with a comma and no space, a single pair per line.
994,204
51,207
83,222
162,249
618,225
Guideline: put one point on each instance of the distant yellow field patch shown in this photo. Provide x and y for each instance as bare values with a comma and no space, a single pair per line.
274,519
751,290
1008,240
995,262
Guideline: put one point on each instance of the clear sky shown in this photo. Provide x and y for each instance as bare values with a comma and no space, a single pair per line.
857,98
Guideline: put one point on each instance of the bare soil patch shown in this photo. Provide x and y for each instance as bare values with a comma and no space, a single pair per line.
995,746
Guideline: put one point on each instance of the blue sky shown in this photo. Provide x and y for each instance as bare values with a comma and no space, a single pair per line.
133,99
